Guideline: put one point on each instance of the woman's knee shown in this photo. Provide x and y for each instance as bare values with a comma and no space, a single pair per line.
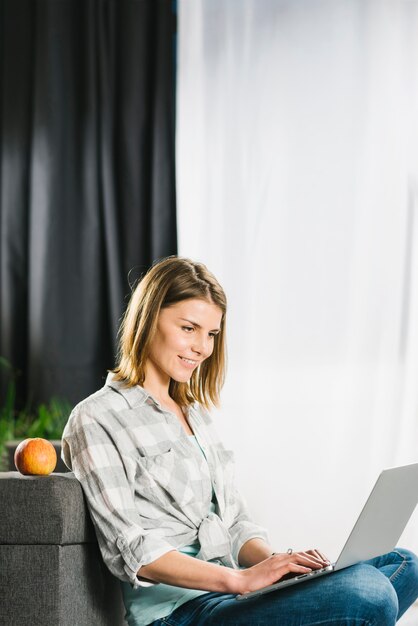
405,579
371,596
384,602
410,559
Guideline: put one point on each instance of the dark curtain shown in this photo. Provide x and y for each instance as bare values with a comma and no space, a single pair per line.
87,180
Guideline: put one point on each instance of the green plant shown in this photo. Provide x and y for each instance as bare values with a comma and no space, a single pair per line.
47,420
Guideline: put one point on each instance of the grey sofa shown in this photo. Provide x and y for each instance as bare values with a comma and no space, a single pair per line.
51,569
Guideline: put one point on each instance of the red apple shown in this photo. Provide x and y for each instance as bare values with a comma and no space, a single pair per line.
36,457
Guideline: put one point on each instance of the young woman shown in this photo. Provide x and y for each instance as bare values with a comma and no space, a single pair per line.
160,487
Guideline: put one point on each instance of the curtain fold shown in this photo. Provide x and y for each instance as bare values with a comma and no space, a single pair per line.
88,186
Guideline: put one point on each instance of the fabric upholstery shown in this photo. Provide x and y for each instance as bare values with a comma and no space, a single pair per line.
51,568
43,509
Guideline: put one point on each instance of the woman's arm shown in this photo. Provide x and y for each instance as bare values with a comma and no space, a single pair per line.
254,551
174,568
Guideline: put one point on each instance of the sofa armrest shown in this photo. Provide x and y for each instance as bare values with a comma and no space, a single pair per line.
51,569
43,510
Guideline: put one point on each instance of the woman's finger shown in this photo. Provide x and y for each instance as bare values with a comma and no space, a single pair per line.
319,555
307,559
290,570
302,558
323,556
297,557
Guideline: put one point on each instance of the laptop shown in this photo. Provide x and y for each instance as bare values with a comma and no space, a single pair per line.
377,529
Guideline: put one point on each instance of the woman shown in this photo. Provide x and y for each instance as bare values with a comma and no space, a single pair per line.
159,483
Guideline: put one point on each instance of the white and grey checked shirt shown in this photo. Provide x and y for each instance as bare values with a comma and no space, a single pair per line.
148,487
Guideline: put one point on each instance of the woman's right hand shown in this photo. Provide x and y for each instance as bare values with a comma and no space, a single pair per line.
274,568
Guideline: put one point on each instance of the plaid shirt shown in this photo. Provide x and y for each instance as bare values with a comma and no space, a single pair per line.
148,487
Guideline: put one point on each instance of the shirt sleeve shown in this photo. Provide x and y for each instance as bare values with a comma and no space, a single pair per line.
89,450
243,528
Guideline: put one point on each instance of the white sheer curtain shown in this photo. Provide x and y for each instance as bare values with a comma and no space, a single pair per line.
298,187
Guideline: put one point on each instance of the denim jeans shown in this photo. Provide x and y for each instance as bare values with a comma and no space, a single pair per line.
372,593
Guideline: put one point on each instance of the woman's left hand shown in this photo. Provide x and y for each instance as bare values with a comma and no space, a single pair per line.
319,555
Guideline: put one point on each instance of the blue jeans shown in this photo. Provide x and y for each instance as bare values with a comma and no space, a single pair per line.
372,593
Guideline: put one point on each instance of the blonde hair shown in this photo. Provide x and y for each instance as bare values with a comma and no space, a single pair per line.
167,282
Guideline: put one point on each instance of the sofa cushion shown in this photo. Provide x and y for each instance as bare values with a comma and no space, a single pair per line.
58,586
43,510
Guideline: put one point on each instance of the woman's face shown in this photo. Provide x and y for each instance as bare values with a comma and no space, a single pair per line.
184,338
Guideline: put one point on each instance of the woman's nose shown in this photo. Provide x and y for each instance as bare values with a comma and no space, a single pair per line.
201,345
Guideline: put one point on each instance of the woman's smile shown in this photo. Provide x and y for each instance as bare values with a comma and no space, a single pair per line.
188,362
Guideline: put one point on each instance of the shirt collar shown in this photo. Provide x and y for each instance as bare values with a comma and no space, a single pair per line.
135,396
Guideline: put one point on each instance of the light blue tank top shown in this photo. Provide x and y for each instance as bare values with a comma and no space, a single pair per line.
146,604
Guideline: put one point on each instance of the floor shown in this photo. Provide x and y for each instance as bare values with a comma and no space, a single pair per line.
411,617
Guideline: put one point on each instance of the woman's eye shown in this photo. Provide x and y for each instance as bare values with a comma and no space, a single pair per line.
187,328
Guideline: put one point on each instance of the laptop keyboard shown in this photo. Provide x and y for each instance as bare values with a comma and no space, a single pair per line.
315,572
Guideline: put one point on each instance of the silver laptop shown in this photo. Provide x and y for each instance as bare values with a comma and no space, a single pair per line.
377,530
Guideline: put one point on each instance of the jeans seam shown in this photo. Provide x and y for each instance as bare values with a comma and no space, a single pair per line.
400,569
356,620
323,623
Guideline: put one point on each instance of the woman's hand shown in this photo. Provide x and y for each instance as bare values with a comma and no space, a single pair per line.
274,568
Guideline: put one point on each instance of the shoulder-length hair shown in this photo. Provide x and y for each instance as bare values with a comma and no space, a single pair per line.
167,282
